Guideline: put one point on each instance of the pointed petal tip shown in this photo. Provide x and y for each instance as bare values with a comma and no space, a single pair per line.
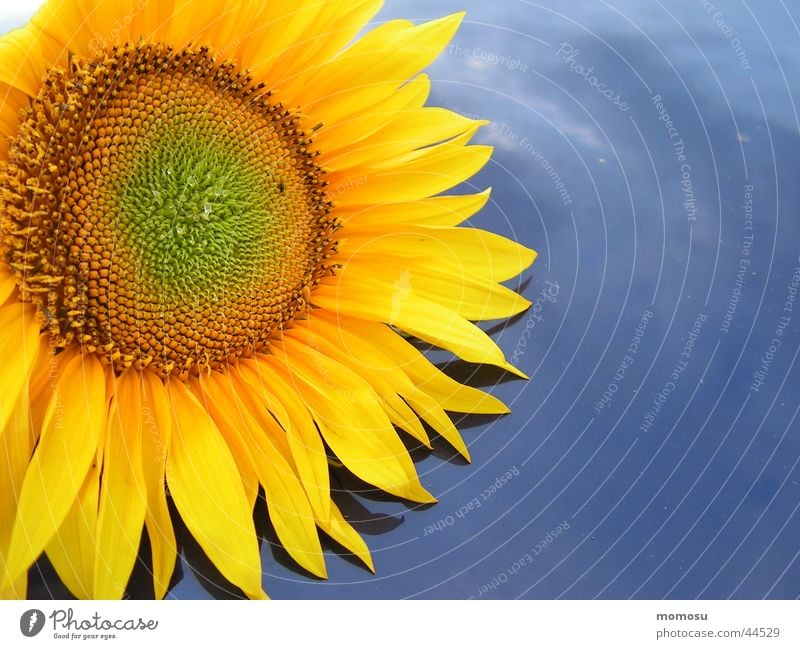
421,495
508,367
451,24
259,594
366,558
523,305
315,565
530,256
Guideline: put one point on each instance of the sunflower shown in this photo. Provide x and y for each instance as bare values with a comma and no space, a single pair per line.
222,223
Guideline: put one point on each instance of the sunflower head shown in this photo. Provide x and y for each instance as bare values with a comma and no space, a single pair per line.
213,249
162,210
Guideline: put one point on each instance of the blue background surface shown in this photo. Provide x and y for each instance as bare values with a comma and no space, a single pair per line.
682,486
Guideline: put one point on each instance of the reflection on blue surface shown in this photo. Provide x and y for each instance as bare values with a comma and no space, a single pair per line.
649,151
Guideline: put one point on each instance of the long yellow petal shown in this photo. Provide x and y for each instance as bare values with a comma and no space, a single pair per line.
347,103
289,509
450,394
358,296
399,132
355,133
236,29
19,348
337,23
240,451
388,397
281,25
351,420
7,280
438,280
25,55
437,210
368,358
72,549
73,425
203,23
403,364
44,372
305,443
441,167
395,50
123,494
207,489
479,253
156,437
16,446
342,532
86,27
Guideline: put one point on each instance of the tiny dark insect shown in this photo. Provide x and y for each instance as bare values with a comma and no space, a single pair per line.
281,187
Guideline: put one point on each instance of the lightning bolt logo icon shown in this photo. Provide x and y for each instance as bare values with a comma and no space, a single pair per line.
31,622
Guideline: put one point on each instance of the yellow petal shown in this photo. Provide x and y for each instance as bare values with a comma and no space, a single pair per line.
344,104
123,494
235,29
7,280
12,101
355,132
72,550
388,397
156,436
73,425
342,532
25,55
205,23
352,422
368,356
476,252
438,210
19,348
48,365
443,166
437,418
207,489
337,23
430,278
305,444
450,394
396,50
280,27
398,132
239,450
86,27
289,509
402,363
421,317
16,446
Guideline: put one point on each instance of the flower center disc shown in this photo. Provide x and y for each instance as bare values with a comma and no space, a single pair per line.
162,210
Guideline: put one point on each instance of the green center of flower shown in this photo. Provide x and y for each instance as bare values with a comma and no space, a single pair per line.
202,218
163,211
